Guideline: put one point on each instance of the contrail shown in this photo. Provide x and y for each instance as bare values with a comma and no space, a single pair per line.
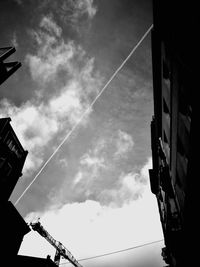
85,113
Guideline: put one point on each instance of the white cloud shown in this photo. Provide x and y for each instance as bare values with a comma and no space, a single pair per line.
67,104
54,56
145,169
37,124
99,176
91,164
48,23
78,177
90,228
90,161
33,126
86,6
74,14
44,66
102,228
130,186
40,119
72,11
90,167
14,41
124,143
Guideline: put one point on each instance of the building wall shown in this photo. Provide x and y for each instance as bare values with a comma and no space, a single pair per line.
26,261
7,68
13,228
174,86
12,158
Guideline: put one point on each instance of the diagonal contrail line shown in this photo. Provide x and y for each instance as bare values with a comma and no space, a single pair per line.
85,113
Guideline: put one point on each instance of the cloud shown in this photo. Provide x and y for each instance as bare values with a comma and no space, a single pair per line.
59,62
75,15
48,24
90,169
78,177
73,11
52,112
32,135
92,163
85,7
130,186
14,41
101,178
124,143
52,56
105,228
89,161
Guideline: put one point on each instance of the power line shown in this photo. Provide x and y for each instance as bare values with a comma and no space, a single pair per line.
118,251
85,113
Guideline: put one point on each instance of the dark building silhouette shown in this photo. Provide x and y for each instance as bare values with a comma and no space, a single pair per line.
12,158
7,68
26,261
172,178
13,228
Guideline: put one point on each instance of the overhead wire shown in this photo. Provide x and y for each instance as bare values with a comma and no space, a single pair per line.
117,251
85,113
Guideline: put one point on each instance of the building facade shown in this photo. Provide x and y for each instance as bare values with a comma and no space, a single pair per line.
13,228
7,68
12,158
24,261
172,127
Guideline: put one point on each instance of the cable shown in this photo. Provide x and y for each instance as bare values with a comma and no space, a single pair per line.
85,113
118,251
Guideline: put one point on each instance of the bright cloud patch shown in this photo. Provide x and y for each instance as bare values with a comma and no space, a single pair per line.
105,228
72,12
124,143
85,6
130,186
65,69
52,54
14,40
90,169
51,27
99,177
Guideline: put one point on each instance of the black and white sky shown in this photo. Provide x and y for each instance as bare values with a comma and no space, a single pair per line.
94,194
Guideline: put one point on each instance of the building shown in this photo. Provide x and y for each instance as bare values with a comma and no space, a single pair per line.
24,261
12,158
7,68
13,228
174,57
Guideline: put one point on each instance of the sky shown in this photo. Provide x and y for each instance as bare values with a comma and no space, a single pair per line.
94,194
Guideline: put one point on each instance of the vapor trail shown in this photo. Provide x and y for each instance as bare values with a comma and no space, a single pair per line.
85,113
